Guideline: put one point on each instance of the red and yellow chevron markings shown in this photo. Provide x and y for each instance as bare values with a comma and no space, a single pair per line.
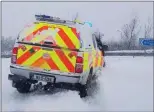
66,39
30,36
52,64
58,59
63,35
25,56
65,60
38,62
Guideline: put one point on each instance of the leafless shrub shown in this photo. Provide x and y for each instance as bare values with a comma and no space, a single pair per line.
129,33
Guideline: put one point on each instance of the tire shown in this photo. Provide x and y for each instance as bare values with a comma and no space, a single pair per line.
104,65
47,86
90,77
23,87
83,88
83,91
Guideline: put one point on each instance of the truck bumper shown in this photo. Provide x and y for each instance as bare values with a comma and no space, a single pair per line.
64,85
23,73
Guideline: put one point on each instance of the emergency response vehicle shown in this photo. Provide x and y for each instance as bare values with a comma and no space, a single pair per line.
60,53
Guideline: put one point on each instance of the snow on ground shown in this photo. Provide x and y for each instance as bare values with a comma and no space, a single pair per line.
126,84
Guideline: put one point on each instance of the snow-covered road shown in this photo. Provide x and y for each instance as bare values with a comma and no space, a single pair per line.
126,84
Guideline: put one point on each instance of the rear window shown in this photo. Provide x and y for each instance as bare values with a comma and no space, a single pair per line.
26,31
58,35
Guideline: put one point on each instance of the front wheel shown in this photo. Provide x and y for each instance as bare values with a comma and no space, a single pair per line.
84,88
23,87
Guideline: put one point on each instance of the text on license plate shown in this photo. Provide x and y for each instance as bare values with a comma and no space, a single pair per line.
43,78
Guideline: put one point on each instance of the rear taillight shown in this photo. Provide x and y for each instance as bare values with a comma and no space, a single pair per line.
78,68
15,50
79,59
14,59
14,55
79,65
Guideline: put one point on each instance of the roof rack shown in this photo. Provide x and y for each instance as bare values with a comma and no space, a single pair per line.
53,19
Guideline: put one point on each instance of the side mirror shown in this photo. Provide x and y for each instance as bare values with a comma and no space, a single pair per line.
104,47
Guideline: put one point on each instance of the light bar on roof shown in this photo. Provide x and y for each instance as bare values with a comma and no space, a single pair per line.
52,19
46,18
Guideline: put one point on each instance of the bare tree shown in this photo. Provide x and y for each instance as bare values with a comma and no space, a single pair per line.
7,43
148,29
148,32
129,33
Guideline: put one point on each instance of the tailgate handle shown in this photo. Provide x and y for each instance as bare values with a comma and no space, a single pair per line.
45,48
47,42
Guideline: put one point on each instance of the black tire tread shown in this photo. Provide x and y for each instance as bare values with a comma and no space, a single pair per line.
23,87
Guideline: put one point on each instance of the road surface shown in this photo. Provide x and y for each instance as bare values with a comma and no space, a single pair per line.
126,84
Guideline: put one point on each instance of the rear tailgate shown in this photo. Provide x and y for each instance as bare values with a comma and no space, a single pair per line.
60,55
45,58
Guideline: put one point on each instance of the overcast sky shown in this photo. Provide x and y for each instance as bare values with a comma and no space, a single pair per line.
108,17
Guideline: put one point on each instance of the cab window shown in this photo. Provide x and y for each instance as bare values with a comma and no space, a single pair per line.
85,37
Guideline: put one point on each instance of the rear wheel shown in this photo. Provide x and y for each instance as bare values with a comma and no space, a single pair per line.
83,91
89,77
23,87
104,64
83,88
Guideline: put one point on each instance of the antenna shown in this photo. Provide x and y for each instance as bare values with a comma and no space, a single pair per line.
76,16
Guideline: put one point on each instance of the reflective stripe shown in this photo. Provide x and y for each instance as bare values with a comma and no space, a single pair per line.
66,39
26,55
59,40
65,60
73,38
52,64
99,59
21,52
39,28
45,66
58,62
71,59
38,62
93,57
38,38
33,58
96,62
85,61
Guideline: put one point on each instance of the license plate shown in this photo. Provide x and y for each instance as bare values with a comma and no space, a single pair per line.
41,77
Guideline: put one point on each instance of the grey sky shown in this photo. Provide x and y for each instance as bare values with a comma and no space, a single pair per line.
108,17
